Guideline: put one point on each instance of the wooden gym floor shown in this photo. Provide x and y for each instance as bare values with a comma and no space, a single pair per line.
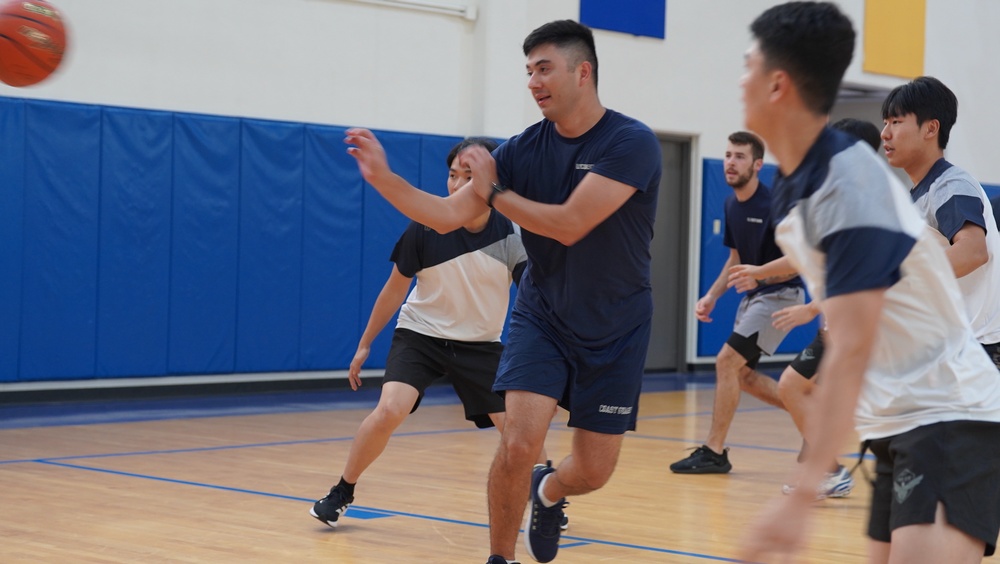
225,479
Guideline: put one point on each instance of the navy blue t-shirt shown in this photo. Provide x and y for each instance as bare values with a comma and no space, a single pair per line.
750,231
599,288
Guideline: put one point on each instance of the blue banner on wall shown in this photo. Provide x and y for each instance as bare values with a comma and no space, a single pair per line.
638,17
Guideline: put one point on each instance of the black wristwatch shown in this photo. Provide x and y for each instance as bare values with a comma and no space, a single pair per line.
497,189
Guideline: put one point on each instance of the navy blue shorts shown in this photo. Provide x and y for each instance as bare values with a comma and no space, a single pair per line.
599,386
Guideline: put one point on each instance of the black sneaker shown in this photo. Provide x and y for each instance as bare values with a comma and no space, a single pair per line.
494,559
331,507
703,461
542,526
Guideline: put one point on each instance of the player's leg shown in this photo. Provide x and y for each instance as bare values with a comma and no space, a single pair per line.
729,365
795,391
521,443
712,458
587,468
413,363
394,405
935,542
533,373
604,390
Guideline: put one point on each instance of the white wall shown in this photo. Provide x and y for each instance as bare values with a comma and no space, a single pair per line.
346,63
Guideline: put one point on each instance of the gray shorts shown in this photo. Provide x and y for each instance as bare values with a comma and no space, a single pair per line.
753,317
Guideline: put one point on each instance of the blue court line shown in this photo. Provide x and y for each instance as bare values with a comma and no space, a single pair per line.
234,447
374,513
554,427
51,414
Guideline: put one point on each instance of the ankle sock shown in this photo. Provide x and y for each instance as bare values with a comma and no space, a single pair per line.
348,487
541,489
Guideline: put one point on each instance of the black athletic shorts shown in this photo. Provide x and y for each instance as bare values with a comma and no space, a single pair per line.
807,361
471,367
956,463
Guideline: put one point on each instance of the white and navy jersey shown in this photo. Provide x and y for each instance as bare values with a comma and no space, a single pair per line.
948,197
847,225
463,279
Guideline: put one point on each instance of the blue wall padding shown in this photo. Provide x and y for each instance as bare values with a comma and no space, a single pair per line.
61,240
991,190
134,266
382,227
11,232
270,255
331,279
204,245
711,336
143,243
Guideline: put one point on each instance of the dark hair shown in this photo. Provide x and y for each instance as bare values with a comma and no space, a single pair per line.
569,35
486,142
927,98
747,138
863,130
813,42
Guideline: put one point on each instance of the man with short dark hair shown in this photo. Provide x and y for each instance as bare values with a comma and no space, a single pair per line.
918,119
921,391
582,184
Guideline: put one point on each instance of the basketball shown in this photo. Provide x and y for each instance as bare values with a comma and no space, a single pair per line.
32,41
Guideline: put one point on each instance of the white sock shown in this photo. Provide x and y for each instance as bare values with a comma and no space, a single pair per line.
541,491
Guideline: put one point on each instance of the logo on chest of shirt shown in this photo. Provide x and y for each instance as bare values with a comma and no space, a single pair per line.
584,166
755,220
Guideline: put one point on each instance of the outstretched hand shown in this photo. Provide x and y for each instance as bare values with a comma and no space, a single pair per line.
368,152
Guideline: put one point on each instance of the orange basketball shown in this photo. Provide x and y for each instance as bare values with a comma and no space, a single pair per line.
32,41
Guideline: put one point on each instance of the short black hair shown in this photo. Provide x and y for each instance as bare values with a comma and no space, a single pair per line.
747,138
486,142
813,42
863,130
927,98
566,34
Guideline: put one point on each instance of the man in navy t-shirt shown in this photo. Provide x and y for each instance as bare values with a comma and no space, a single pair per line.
749,235
582,184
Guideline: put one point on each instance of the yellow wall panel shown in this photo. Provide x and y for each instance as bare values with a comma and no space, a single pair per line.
894,37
